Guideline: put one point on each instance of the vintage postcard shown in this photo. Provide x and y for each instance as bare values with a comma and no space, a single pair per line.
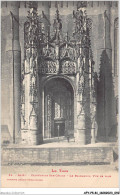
59,94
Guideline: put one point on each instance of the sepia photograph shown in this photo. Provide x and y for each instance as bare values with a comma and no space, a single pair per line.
59,94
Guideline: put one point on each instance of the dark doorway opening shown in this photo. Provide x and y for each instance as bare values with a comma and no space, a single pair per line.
59,129
58,108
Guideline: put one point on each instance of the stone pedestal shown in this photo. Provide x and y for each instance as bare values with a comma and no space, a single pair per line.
92,136
80,136
35,138
80,133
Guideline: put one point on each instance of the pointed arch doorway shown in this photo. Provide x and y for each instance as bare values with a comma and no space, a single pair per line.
58,108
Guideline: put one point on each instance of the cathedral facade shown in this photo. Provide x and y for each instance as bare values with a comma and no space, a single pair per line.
60,71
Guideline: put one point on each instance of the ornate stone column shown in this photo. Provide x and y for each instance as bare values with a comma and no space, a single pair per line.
93,103
80,26
30,125
84,75
108,79
80,134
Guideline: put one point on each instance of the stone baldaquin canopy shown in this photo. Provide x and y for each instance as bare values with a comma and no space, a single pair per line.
54,59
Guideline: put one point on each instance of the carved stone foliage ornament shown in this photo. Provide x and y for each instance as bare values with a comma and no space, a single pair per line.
56,52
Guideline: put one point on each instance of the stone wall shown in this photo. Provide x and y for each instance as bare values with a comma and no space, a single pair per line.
61,155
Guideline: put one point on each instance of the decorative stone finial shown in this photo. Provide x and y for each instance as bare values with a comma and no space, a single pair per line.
57,22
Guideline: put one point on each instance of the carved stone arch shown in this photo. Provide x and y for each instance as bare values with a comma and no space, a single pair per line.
54,99
70,81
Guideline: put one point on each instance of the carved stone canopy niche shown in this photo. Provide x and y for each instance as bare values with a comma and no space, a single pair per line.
57,54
